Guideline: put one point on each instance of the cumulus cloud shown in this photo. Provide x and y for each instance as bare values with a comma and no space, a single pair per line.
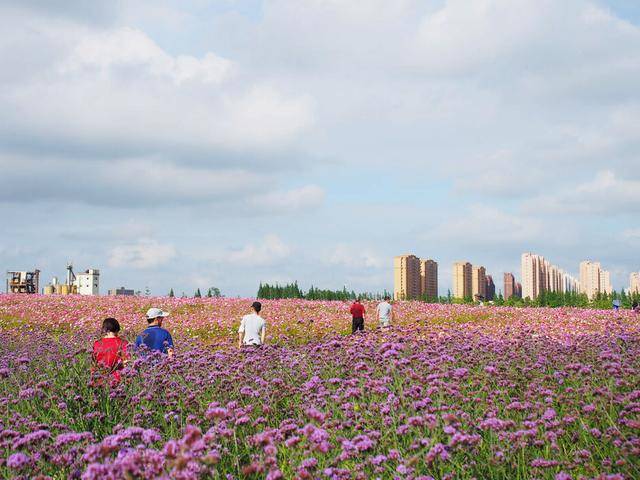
484,225
270,250
144,125
353,257
144,254
297,199
606,194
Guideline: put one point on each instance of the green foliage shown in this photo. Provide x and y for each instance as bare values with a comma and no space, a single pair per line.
214,292
171,294
197,294
292,290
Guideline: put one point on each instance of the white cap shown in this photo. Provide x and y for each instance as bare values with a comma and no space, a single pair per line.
155,313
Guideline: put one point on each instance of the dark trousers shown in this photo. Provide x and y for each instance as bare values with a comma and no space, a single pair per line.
357,324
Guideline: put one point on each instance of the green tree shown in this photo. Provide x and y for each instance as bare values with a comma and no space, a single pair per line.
171,294
197,294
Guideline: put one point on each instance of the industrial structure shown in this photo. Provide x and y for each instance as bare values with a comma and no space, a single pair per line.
86,283
23,282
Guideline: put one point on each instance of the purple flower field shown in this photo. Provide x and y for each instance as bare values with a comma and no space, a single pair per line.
449,392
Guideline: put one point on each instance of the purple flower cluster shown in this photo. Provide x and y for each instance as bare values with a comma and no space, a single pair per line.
448,392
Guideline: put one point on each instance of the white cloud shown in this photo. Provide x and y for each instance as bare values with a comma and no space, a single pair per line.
606,194
484,225
268,251
144,254
353,257
116,86
297,199
105,52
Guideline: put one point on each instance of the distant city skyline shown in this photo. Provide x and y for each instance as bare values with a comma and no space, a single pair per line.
537,275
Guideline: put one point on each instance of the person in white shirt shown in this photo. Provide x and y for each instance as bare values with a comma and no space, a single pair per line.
253,328
384,312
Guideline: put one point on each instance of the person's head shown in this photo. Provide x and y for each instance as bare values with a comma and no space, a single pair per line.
358,299
256,307
155,316
110,325
387,298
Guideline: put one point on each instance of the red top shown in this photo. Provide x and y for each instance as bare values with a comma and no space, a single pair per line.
357,310
110,352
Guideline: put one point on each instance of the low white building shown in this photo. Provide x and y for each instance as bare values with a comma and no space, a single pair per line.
88,283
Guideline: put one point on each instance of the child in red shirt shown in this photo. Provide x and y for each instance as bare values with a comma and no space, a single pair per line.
110,352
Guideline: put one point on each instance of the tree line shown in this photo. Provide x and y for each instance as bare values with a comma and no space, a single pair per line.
602,301
276,291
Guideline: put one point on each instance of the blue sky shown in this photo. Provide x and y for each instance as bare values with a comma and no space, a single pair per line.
186,144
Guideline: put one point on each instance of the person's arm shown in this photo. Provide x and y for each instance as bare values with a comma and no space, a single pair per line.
241,334
263,334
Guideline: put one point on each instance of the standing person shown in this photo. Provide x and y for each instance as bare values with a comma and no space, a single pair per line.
357,316
384,312
110,352
253,328
154,336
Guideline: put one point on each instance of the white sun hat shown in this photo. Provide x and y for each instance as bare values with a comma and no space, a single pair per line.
155,313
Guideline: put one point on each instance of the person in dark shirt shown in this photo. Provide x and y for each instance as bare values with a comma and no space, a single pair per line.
357,314
154,336
110,352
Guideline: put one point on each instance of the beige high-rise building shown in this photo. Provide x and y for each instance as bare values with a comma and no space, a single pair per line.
590,278
605,282
462,280
531,272
429,278
634,282
539,275
406,277
478,282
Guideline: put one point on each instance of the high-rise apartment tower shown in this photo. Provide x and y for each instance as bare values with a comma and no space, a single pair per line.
509,285
478,282
590,278
406,277
429,278
462,280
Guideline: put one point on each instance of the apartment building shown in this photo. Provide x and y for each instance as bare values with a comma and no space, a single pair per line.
491,288
509,285
634,282
406,277
478,282
429,278
462,277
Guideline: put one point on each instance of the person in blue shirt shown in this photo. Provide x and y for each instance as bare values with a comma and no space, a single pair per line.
154,336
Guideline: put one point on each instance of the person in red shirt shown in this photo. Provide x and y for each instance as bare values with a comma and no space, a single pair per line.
357,314
110,352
